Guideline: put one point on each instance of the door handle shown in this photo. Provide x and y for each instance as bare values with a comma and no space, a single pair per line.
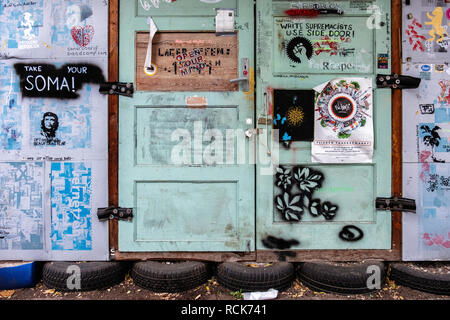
239,79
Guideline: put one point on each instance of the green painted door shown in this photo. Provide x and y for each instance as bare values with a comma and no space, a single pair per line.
308,204
180,133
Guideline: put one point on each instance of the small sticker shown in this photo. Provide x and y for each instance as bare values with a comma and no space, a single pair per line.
425,75
439,68
249,121
383,61
196,102
426,68
427,108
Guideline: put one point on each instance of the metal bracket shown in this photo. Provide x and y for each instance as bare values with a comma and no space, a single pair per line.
119,88
396,204
111,213
396,81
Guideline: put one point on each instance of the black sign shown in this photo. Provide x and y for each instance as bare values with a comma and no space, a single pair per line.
294,114
47,81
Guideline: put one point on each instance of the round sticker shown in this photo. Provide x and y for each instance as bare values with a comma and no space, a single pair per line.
152,71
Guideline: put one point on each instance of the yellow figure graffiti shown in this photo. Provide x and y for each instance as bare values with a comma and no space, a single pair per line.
436,21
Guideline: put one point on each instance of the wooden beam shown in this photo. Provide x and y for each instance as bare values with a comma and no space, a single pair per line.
113,112
193,256
396,45
326,255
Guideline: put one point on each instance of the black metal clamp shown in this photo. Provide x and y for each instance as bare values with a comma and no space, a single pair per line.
119,88
396,204
111,213
397,81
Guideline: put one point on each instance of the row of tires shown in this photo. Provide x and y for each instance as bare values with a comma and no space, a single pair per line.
343,278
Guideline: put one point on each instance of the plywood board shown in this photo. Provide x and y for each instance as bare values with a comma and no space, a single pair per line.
188,61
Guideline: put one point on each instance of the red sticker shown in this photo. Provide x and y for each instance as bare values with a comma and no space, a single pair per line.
82,35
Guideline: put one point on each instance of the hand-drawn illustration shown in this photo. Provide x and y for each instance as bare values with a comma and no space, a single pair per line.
322,45
76,28
343,121
71,194
444,96
294,114
294,191
415,39
332,46
436,18
20,24
21,206
299,50
434,239
10,110
431,138
426,32
58,123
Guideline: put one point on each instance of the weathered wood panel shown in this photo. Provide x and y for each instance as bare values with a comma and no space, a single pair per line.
188,61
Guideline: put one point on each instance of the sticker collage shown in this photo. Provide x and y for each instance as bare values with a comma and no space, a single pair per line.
53,127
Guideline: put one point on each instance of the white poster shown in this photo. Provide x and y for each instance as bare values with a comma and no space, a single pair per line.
343,128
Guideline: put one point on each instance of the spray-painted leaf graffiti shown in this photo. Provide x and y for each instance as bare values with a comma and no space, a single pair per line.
283,178
288,207
297,186
307,179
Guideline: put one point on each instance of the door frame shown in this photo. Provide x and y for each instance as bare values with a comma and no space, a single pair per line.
394,254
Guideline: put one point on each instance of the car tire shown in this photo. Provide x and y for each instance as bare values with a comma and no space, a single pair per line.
170,277
241,276
409,276
93,275
348,278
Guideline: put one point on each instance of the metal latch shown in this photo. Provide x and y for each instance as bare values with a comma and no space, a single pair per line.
396,204
397,81
120,88
251,132
245,74
111,213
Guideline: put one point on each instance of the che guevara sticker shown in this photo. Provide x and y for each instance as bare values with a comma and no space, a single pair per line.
343,121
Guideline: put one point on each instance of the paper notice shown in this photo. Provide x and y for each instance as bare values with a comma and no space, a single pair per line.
343,128
225,21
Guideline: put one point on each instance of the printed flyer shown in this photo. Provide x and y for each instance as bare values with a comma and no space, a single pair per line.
343,126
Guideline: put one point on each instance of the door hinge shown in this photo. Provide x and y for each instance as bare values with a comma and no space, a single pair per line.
112,254
397,81
396,204
119,88
111,213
